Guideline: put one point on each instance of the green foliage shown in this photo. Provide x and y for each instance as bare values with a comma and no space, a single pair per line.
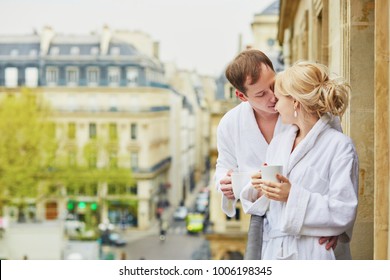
26,143
29,155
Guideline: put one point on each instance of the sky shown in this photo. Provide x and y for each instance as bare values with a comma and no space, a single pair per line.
200,35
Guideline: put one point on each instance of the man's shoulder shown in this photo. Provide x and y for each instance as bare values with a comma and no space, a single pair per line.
234,113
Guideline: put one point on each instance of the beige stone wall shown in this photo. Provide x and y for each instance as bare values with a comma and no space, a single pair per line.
355,62
381,164
347,46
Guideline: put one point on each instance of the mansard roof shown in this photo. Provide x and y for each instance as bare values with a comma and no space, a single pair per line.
76,47
272,9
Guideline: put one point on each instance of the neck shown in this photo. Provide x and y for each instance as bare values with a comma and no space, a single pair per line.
266,122
305,125
265,116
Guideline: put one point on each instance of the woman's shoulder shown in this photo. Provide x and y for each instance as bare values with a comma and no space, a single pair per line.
339,141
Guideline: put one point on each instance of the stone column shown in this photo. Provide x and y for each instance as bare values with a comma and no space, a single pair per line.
381,129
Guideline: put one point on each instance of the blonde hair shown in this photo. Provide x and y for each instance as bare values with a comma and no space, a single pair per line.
309,83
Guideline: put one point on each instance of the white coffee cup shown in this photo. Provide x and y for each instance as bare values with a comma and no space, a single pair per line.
268,172
239,181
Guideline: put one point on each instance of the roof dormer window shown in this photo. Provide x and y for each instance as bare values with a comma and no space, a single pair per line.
75,50
14,52
33,52
115,51
94,50
54,50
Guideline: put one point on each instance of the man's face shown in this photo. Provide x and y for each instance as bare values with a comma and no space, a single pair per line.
260,95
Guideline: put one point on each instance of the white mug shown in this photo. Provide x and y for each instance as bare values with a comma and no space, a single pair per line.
268,172
239,181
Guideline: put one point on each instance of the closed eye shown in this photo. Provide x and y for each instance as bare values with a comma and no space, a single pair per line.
260,94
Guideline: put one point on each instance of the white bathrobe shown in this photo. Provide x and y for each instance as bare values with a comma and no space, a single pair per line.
323,171
241,146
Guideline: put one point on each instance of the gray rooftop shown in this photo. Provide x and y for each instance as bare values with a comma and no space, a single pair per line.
272,9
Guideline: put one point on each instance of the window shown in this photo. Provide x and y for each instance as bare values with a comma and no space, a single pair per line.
133,131
232,92
113,104
72,158
14,52
11,77
113,160
94,189
92,159
113,76
134,160
71,130
54,50
111,188
113,131
92,131
72,76
51,76
33,53
92,103
115,51
94,50
31,77
52,130
93,76
132,76
75,50
72,105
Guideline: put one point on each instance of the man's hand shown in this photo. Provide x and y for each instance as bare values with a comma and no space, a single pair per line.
226,185
332,241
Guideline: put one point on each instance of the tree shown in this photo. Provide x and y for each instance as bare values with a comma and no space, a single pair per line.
31,165
26,145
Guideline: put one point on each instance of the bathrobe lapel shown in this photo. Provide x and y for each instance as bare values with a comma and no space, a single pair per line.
255,139
306,144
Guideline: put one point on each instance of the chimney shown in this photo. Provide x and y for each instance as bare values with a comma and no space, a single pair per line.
105,40
46,38
239,43
156,50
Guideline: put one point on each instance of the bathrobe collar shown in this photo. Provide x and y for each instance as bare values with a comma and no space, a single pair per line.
252,131
307,143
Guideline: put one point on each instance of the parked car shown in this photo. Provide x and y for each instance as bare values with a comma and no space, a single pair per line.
202,202
194,222
73,226
113,239
180,213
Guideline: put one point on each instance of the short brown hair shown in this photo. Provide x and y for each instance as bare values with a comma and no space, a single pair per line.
246,64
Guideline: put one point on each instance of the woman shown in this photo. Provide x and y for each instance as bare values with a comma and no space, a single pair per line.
317,193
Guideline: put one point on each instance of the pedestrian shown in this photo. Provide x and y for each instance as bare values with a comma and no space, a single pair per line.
317,193
244,133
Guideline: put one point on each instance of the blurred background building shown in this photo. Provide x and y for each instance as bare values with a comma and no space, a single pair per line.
131,134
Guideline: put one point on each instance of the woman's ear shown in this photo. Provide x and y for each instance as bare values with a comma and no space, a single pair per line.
296,104
241,96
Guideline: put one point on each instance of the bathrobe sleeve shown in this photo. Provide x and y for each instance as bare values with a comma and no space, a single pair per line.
226,161
226,153
317,207
251,204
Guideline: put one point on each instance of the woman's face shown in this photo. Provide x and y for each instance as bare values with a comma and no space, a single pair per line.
285,106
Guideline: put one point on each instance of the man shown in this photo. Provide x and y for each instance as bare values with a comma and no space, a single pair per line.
244,133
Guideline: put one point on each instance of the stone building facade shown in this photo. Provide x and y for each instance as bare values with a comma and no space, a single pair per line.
352,38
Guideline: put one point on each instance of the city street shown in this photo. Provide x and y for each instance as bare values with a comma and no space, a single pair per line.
178,245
